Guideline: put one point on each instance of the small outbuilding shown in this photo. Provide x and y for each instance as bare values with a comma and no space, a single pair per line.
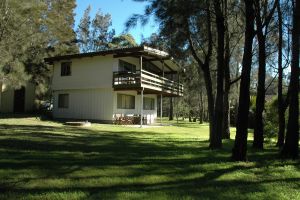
17,100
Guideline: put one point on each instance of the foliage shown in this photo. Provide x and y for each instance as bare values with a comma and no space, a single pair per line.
94,34
271,119
30,31
122,41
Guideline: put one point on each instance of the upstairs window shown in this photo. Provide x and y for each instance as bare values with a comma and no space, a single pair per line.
149,103
65,69
126,67
63,101
126,101
150,67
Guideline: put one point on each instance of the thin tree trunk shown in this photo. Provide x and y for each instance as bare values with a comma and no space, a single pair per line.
260,95
216,141
291,147
239,151
210,101
226,116
281,110
204,66
260,99
226,121
261,26
200,107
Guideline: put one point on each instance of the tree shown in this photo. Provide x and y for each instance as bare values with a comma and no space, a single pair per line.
83,31
239,151
158,42
233,37
193,29
281,110
16,33
31,31
216,140
95,34
122,41
55,36
262,19
226,113
291,146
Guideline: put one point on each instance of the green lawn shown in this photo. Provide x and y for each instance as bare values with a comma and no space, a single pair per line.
47,160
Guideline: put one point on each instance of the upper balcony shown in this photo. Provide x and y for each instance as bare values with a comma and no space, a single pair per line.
150,82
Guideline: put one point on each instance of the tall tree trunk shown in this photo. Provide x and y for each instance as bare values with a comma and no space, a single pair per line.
291,147
204,66
280,106
239,151
216,141
226,121
260,99
201,107
210,102
226,116
260,94
171,114
262,27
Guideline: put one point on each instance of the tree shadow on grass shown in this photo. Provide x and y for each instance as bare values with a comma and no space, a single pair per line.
188,166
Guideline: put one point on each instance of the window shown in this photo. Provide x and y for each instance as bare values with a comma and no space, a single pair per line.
126,67
150,67
126,101
148,103
65,69
63,101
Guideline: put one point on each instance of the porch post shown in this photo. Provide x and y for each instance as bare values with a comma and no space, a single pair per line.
178,82
142,93
142,106
161,101
161,109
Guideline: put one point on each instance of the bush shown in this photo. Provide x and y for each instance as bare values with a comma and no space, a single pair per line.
271,118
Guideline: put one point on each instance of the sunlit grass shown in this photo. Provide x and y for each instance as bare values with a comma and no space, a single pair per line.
47,160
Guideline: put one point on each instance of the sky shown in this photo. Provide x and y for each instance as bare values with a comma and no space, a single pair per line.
120,11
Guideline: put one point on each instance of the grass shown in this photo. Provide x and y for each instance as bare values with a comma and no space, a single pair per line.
47,160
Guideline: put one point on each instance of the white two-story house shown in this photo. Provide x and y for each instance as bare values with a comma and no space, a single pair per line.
101,85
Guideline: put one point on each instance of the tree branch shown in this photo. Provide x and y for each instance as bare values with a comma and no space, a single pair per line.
235,80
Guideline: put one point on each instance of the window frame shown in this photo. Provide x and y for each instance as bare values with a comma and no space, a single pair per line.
62,103
130,65
152,103
124,101
66,68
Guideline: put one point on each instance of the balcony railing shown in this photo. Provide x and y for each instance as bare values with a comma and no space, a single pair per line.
147,80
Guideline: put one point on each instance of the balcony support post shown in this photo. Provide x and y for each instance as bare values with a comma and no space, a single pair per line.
161,96
161,109
178,81
142,106
142,93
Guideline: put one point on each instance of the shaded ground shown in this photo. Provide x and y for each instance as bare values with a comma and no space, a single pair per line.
46,160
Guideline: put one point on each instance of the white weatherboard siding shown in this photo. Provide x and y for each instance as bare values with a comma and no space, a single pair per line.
91,95
150,114
7,100
86,73
94,104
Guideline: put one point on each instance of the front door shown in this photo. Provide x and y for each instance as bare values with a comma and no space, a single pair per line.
19,100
